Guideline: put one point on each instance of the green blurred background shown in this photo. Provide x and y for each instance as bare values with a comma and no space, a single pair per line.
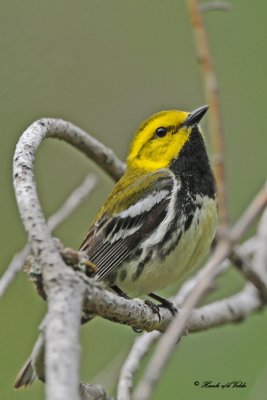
106,65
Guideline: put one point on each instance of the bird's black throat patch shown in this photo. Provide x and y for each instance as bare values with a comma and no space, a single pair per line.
192,167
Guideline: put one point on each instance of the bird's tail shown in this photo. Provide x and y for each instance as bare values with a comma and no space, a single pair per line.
26,375
33,367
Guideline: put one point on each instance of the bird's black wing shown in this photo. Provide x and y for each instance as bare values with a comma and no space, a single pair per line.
113,238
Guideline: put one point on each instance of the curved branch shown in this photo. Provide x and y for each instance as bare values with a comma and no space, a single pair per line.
63,287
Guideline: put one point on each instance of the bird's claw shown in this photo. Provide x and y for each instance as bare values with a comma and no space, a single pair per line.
170,306
154,307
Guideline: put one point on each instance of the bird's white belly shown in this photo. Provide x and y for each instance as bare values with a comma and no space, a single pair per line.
191,248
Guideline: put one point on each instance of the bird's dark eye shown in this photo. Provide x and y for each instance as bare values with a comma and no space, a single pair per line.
161,132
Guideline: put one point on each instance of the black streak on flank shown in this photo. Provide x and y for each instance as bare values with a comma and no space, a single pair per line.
141,266
164,253
188,222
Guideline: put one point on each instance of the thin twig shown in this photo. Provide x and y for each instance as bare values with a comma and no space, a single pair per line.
144,342
132,363
256,206
72,202
13,269
212,98
178,324
215,5
232,309
243,265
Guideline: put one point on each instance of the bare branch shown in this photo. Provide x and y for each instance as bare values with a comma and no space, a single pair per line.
145,341
135,313
215,5
229,310
178,325
212,98
63,287
207,274
72,202
13,269
243,265
92,392
132,364
255,208
100,301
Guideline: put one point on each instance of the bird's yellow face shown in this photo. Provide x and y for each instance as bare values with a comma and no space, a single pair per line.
159,140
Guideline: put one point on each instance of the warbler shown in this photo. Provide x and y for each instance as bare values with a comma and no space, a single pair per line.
159,220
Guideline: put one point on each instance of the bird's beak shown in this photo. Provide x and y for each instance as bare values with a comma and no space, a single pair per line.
195,116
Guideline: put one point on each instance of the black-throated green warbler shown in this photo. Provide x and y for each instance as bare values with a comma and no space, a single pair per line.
160,218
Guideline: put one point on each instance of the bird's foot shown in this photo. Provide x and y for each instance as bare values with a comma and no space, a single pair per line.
155,309
164,303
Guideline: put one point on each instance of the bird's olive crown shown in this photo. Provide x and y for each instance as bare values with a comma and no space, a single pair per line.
159,140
